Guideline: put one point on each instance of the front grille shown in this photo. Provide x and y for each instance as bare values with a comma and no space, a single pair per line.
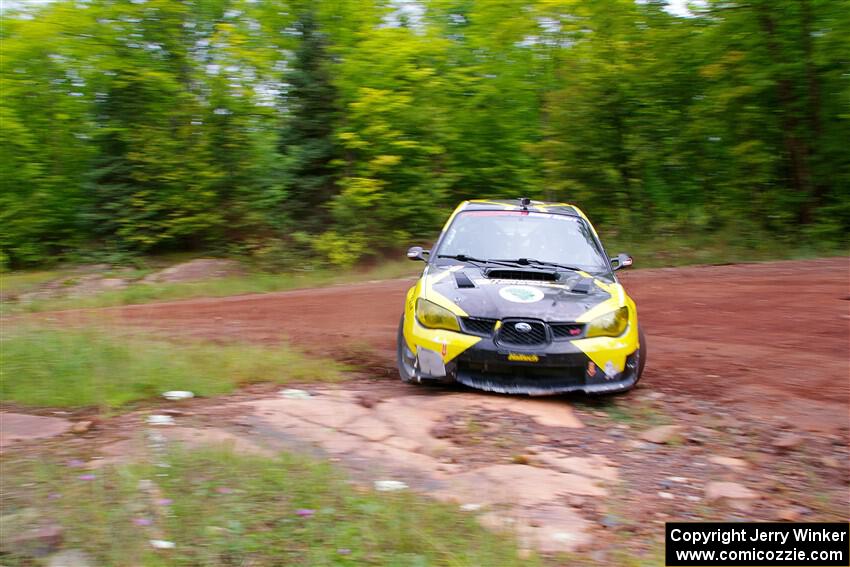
566,330
509,335
481,327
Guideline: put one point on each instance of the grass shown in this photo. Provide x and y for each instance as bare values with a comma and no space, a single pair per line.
85,367
229,509
15,283
630,411
138,292
715,248
649,252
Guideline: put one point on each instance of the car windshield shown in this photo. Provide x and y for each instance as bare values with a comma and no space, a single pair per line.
511,235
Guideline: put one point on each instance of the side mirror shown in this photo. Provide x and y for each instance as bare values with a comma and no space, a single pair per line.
622,261
417,253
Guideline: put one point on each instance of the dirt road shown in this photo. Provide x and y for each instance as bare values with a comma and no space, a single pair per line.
771,336
742,359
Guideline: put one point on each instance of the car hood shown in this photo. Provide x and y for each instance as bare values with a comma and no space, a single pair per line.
563,300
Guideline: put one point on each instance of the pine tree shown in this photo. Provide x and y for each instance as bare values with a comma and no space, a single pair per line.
307,140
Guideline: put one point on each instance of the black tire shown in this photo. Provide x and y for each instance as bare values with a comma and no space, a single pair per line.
404,357
641,354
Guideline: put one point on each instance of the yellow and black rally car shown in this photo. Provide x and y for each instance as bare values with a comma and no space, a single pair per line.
519,296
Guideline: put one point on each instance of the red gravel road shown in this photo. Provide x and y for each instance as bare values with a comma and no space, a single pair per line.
771,336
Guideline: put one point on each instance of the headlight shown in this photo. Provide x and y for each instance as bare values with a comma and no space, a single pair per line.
611,324
433,316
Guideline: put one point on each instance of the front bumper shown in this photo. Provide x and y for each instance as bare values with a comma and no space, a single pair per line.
555,368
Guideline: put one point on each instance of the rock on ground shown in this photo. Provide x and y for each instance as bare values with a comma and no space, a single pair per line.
75,286
94,284
394,439
787,441
731,462
196,270
17,427
35,542
661,434
69,558
403,435
81,427
728,491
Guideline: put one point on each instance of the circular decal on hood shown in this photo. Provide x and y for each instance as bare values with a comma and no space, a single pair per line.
521,294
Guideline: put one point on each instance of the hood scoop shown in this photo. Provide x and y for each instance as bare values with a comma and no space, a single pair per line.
463,281
584,285
522,275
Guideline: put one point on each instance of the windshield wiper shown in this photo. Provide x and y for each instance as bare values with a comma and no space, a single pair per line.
531,262
461,257
471,260
528,262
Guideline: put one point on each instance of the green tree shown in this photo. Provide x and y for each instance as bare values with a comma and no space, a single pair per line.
307,142
356,125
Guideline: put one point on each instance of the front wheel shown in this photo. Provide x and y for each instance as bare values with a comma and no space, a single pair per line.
405,357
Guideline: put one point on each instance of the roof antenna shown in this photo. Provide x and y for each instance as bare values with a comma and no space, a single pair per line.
525,201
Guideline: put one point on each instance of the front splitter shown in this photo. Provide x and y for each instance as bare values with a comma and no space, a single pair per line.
481,381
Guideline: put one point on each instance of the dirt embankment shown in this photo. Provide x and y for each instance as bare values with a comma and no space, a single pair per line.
773,337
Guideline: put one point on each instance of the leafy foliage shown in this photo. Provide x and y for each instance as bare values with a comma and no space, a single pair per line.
142,126
307,143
